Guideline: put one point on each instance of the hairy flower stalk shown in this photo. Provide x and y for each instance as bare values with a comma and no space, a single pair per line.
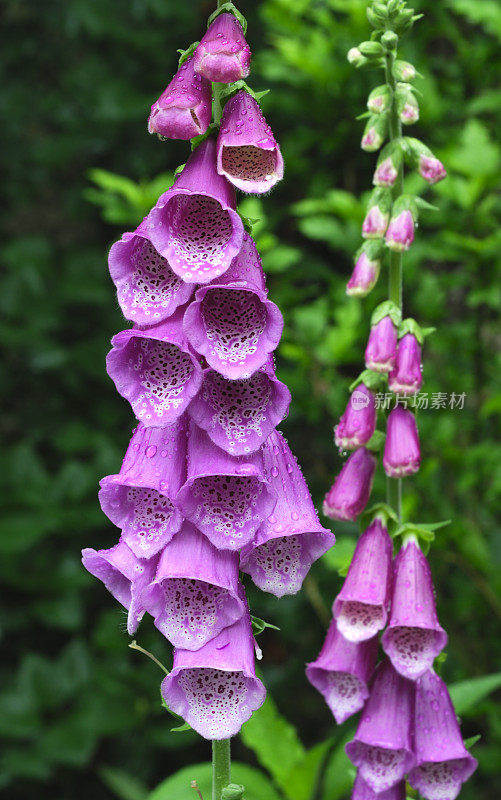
407,729
208,487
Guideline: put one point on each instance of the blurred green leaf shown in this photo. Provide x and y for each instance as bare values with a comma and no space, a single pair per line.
466,694
178,786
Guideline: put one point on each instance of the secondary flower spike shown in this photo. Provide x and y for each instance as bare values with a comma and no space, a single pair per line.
443,763
141,499
184,109
238,415
155,371
406,376
194,224
291,538
358,422
402,453
215,689
382,747
362,791
247,153
414,636
351,490
195,591
148,291
232,323
361,607
381,350
223,55
342,671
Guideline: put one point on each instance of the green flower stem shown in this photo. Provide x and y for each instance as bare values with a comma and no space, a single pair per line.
221,767
217,108
394,486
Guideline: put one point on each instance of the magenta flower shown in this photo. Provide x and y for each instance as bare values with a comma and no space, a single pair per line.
361,607
443,763
223,55
402,454
155,371
350,493
240,414
406,376
291,538
124,575
414,636
431,169
364,276
226,497
381,350
342,671
215,688
362,791
358,422
386,173
148,291
141,499
375,223
194,224
382,747
247,153
400,233
184,109
232,323
195,592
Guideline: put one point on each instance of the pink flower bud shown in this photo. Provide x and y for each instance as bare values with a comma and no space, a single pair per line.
364,276
184,109
223,55
400,233
402,455
350,493
371,140
358,422
381,349
386,173
406,377
431,169
375,223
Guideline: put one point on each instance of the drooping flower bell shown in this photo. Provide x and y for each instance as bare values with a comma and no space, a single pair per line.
381,350
194,224
402,453
378,214
124,575
366,271
443,763
239,414
247,152
406,376
361,607
141,499
232,323
362,791
195,592
349,494
414,636
342,671
184,109
215,688
291,537
226,497
382,747
223,55
148,291
155,371
358,422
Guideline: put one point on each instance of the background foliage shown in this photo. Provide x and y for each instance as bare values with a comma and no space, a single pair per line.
79,712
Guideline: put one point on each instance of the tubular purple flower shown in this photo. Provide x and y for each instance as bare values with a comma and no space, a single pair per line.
194,224
443,763
148,291
382,748
226,497
365,274
247,152
238,415
400,232
291,538
184,109
431,169
195,591
342,671
141,499
124,575
358,422
406,376
215,689
381,350
232,323
351,490
361,607
223,55
402,454
362,791
414,636
155,371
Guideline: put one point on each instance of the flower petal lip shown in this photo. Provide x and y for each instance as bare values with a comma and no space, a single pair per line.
362,791
223,55
291,537
184,109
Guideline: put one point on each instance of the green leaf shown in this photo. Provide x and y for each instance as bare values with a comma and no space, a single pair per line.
258,625
302,779
123,785
467,694
471,742
338,558
178,786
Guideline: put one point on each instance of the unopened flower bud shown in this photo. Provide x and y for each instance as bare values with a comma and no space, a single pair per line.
351,490
371,49
374,133
378,214
388,165
358,422
184,109
355,57
366,271
422,159
381,350
404,71
389,39
400,233
407,105
379,99
402,454
223,55
406,377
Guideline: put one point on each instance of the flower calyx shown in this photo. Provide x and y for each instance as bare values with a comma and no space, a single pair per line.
228,8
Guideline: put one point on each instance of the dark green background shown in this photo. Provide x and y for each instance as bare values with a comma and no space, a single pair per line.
78,79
